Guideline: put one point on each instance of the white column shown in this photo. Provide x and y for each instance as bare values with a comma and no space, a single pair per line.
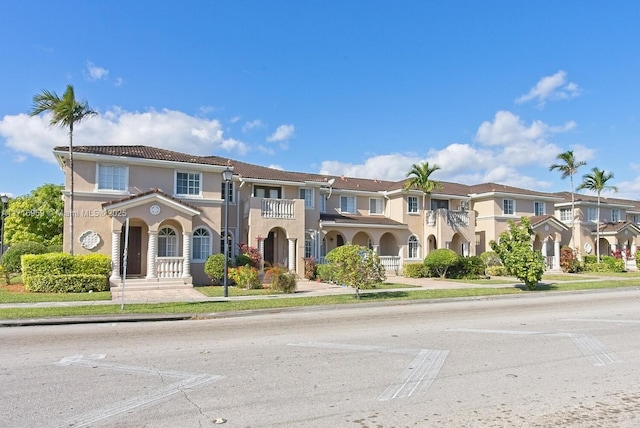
376,249
186,254
152,252
556,254
115,256
543,250
261,248
292,254
613,248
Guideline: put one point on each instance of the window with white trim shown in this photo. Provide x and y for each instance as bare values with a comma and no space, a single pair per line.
636,218
307,194
539,208
413,247
615,215
565,214
508,206
412,204
201,244
229,244
223,191
167,242
188,183
376,206
323,203
348,204
308,245
592,214
112,177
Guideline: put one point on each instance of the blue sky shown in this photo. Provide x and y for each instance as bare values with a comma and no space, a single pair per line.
488,90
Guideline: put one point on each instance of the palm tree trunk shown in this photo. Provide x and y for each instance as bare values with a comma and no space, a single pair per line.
71,213
573,214
424,227
598,229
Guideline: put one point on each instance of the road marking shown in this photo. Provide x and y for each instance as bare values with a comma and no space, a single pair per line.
605,321
186,381
595,351
417,377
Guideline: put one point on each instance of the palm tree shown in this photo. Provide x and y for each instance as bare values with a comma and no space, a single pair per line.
568,168
420,178
65,112
596,181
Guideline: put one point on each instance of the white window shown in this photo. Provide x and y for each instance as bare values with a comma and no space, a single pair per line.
615,215
592,214
188,183
229,249
376,206
307,195
112,177
167,242
223,191
308,246
413,247
323,204
539,208
348,204
412,204
636,218
201,246
508,206
565,214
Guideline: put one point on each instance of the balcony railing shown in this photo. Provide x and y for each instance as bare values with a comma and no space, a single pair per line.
278,208
169,267
457,218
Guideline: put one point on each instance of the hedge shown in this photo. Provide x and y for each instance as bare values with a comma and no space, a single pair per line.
64,273
71,283
413,270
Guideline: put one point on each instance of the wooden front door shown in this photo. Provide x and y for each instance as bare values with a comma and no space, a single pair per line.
134,251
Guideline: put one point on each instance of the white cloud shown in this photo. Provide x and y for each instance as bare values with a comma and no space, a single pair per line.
392,167
94,72
282,133
252,124
167,129
554,87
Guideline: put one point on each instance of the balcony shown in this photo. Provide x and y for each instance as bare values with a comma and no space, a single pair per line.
277,208
453,218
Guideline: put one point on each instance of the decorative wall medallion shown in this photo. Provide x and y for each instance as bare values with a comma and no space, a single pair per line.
588,248
546,227
89,240
155,209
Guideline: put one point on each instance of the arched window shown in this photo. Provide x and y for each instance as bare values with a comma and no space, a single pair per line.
308,245
201,247
167,242
413,247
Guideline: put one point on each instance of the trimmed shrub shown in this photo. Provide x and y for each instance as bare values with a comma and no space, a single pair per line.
280,279
73,283
245,277
467,268
413,270
98,264
11,262
607,264
491,258
497,271
439,261
214,267
48,264
326,272
242,260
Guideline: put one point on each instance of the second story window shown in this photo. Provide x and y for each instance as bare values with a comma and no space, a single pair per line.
376,206
592,214
348,204
539,208
565,214
267,192
223,191
112,177
307,195
412,204
323,203
636,218
188,183
508,206
615,216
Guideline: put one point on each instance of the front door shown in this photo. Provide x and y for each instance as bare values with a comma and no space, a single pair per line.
134,251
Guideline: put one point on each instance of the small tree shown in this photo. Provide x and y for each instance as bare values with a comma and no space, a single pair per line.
214,267
517,254
356,266
439,261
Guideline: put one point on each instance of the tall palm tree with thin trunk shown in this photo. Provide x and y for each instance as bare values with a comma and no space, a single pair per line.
419,177
568,168
596,181
65,112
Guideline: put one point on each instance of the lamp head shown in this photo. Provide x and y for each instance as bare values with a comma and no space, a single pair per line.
227,174
4,198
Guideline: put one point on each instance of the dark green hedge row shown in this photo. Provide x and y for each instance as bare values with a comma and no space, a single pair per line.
71,283
64,273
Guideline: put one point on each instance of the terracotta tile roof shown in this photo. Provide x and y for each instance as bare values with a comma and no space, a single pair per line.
149,192
604,200
615,227
502,188
356,219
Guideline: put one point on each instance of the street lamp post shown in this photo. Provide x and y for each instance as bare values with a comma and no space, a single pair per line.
4,199
226,176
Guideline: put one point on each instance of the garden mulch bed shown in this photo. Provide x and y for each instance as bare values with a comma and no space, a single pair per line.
13,288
